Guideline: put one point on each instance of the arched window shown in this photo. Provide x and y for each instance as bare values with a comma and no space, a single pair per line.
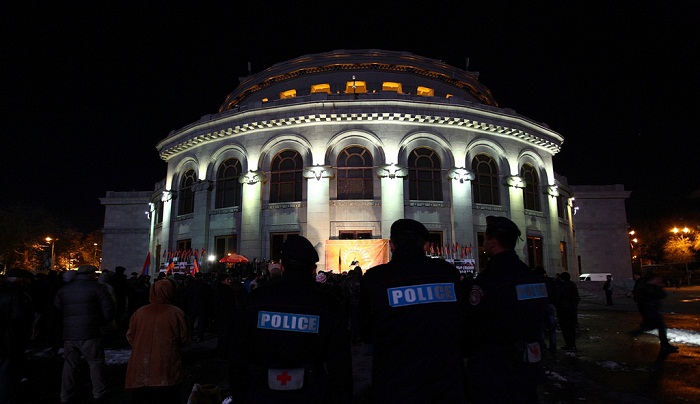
485,185
424,179
286,177
532,184
186,194
354,170
228,188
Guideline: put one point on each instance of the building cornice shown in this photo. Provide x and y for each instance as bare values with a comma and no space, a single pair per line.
217,127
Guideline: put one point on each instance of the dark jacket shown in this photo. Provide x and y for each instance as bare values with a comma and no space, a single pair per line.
411,309
496,315
16,318
87,307
320,342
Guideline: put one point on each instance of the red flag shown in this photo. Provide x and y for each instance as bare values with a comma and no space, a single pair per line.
196,265
146,264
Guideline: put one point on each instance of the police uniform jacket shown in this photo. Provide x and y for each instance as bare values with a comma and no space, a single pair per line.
294,323
506,304
410,310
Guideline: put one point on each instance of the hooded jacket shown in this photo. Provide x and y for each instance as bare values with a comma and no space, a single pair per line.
156,333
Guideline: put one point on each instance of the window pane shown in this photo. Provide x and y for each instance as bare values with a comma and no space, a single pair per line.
354,173
485,185
286,177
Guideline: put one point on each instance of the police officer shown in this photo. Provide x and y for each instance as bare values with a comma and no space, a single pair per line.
294,344
411,311
504,322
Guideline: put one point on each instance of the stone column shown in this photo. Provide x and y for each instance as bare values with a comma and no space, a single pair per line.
318,213
392,176
251,211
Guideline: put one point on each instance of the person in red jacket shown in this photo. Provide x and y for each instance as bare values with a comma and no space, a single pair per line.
156,333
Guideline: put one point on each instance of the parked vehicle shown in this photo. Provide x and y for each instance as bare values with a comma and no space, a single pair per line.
594,277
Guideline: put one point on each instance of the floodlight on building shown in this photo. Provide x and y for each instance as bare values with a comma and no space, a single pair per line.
553,190
460,174
392,171
515,181
318,171
252,177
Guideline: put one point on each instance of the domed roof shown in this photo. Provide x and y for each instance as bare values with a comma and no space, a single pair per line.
371,71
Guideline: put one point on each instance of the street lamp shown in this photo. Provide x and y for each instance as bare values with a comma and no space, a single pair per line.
52,241
94,258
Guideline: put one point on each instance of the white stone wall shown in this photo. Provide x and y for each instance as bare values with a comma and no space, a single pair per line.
126,230
602,239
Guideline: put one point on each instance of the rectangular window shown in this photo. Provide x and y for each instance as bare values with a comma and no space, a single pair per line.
391,86
435,239
354,235
288,94
425,91
184,245
564,262
276,241
224,245
159,212
355,87
321,88
534,251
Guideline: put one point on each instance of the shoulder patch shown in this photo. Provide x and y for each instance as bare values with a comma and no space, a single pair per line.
475,295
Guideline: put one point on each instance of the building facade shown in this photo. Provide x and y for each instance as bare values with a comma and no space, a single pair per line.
336,146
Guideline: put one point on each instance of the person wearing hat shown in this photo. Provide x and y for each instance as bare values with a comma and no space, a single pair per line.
16,317
293,340
411,311
504,321
87,307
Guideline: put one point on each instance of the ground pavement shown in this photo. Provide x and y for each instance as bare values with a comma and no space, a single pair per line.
609,366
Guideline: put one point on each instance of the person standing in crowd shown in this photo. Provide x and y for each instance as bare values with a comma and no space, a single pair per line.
156,333
294,338
550,322
121,291
648,292
351,295
567,300
504,318
608,288
198,300
87,307
16,318
229,296
412,311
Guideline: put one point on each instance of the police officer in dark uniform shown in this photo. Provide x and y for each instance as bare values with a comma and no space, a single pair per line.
294,345
411,310
504,322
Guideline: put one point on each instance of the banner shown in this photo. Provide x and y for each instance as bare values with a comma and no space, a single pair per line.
344,255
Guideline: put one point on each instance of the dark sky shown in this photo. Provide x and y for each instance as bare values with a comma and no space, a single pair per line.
88,89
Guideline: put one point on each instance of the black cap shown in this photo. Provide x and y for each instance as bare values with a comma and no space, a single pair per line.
299,249
502,225
409,226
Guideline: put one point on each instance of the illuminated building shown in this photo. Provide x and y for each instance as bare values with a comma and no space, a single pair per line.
338,145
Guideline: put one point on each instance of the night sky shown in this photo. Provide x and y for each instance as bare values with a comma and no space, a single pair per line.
89,89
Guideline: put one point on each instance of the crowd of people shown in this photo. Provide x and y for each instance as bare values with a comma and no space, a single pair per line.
436,335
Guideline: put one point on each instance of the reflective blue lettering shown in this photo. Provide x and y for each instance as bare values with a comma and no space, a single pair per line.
279,321
529,291
422,294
